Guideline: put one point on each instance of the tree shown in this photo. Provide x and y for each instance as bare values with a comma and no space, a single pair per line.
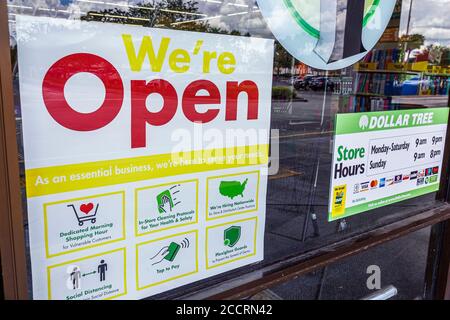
435,53
445,60
283,60
409,43
174,14
413,41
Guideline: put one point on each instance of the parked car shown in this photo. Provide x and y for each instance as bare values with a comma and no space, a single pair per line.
303,83
319,83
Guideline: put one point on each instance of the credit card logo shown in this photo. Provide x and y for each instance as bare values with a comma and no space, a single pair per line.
365,186
374,184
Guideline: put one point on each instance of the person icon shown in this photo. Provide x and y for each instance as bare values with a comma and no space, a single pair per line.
102,268
75,278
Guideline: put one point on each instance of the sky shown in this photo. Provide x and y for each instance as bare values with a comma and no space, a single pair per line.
429,17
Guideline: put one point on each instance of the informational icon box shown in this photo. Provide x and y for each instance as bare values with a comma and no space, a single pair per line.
82,223
97,277
166,259
232,194
166,206
230,242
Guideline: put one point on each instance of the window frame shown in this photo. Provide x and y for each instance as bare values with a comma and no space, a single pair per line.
13,248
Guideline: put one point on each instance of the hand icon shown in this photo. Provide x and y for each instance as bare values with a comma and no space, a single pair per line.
159,257
167,199
166,205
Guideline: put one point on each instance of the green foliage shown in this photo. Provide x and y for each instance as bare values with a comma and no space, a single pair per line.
173,14
282,58
283,93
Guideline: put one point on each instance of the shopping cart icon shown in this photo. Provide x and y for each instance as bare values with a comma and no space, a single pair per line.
82,218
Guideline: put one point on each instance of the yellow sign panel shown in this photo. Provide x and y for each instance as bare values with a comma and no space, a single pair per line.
339,199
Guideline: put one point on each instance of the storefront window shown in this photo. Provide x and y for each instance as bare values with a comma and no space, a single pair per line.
408,69
403,274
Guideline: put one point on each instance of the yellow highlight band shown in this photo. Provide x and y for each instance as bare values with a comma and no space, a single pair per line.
65,178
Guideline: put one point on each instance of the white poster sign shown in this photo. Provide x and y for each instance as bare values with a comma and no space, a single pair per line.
381,158
146,154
